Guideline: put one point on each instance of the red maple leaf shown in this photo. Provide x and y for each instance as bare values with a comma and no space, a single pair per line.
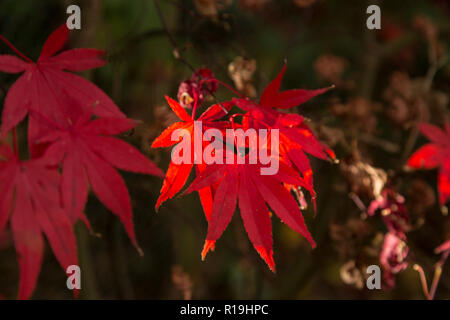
296,138
61,106
435,154
177,174
88,154
44,82
30,200
273,98
244,181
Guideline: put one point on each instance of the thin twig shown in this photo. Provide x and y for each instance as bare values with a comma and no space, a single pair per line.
9,44
357,200
372,61
423,280
135,40
413,135
384,144
179,56
437,274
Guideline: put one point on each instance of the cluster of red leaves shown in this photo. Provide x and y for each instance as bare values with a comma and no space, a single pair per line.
220,186
71,124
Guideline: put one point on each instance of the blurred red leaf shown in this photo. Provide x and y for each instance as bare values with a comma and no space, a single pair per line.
44,82
435,154
31,202
89,154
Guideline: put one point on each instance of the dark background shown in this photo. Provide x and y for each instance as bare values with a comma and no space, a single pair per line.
324,43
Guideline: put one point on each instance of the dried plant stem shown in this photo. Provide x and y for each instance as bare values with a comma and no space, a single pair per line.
172,40
375,141
435,65
437,274
429,294
413,135
423,280
358,202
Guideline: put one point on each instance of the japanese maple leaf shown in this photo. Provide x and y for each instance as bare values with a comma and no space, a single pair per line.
30,201
263,118
296,141
177,174
89,154
293,130
45,81
245,182
435,154
296,138
273,98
